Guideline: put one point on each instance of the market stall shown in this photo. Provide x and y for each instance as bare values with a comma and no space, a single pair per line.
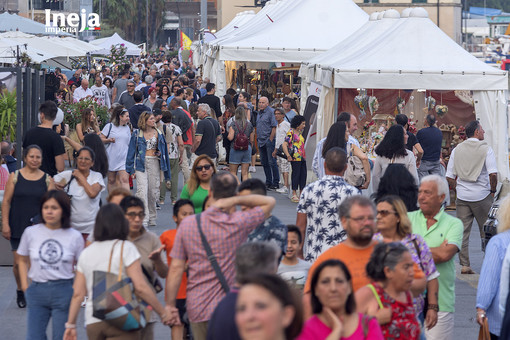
298,30
412,57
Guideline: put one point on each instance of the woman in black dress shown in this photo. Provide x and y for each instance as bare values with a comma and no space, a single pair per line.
20,207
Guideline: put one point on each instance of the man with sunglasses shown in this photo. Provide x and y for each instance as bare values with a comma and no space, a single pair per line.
126,98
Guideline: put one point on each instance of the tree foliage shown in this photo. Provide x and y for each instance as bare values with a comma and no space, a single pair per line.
130,17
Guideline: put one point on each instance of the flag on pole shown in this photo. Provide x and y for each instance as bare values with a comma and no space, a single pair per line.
185,41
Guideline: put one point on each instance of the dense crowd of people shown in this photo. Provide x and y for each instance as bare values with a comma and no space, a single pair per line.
353,266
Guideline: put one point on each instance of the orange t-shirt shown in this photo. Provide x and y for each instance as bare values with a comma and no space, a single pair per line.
356,261
167,238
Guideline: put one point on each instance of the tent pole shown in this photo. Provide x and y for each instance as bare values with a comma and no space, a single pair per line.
335,107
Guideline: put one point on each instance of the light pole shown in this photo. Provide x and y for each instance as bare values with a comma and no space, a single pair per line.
146,26
203,14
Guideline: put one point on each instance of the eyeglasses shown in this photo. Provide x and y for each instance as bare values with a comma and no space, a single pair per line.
206,167
385,213
133,215
131,86
362,219
84,159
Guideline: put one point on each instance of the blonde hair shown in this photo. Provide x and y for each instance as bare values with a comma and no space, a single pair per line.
503,215
85,119
193,181
404,226
142,121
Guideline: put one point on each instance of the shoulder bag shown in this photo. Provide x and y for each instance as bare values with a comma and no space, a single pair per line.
211,257
355,173
114,301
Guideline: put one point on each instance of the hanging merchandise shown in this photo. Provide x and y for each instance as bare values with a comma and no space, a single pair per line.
400,104
441,109
361,101
373,104
430,103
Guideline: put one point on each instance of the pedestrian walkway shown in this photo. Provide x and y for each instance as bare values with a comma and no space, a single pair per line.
13,325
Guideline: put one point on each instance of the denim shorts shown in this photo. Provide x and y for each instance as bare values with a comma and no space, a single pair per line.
240,157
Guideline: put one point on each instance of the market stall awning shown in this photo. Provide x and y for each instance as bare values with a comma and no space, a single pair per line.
295,31
105,44
13,22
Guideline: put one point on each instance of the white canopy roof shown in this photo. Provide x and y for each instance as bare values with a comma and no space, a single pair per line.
105,45
292,31
239,21
41,49
13,22
406,53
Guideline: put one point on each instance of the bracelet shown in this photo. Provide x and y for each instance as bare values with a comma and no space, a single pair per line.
433,307
70,325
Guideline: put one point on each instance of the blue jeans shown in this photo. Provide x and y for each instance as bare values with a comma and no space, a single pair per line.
269,163
45,300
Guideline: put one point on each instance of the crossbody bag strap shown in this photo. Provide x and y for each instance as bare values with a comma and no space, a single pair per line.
119,277
418,252
211,257
111,255
372,288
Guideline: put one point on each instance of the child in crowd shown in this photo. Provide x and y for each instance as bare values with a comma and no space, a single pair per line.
293,269
182,209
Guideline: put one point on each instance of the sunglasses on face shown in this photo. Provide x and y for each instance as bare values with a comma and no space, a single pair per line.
206,167
385,213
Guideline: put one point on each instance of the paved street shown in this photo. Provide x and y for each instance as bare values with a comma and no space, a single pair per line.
14,319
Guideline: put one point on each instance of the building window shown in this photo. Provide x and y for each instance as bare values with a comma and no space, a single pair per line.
371,1
419,1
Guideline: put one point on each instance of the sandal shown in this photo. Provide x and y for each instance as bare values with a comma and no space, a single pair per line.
467,270
20,299
294,199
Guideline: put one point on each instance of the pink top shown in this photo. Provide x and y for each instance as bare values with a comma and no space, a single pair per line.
315,329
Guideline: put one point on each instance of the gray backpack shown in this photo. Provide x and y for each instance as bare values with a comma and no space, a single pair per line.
355,174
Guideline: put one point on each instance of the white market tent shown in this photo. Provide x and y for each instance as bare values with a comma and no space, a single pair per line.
411,53
239,20
287,31
54,51
13,22
105,45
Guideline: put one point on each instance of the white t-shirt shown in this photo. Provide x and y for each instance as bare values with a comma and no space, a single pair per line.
474,191
52,252
281,132
102,95
96,257
83,208
117,152
295,274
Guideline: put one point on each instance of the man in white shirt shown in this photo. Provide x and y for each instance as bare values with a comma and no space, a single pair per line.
472,171
83,91
100,92
283,164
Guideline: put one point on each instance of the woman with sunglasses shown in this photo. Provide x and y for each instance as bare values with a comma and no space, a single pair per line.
198,184
116,136
147,157
388,297
393,225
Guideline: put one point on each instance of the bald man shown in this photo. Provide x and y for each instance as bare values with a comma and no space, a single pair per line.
83,91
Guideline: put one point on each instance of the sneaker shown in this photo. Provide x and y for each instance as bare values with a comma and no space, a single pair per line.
158,207
283,190
161,202
152,223
84,302
253,169
274,187
239,170
20,299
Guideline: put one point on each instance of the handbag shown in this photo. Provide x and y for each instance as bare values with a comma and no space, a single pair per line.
114,301
280,153
212,257
355,173
484,334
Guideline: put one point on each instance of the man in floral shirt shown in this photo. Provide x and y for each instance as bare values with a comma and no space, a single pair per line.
317,211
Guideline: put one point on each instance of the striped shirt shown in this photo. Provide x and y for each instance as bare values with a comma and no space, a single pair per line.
487,295
225,233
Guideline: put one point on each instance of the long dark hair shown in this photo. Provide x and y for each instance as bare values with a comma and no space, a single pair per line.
335,137
397,180
350,304
392,144
229,103
94,144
